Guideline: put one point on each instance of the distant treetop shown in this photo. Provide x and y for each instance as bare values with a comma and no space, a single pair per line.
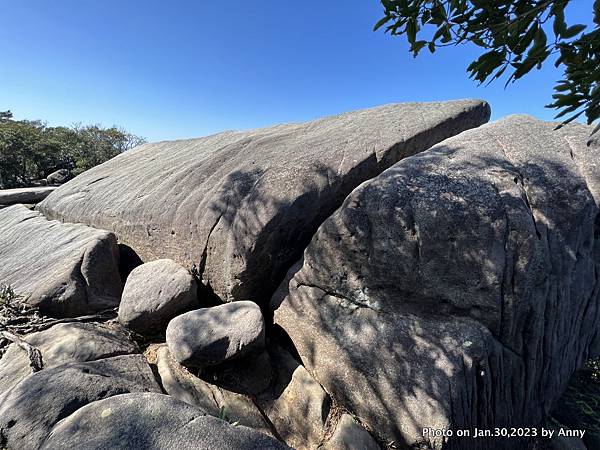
31,150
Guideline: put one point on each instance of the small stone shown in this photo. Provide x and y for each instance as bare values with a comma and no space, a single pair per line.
210,336
154,293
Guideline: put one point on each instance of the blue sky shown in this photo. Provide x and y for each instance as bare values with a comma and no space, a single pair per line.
176,69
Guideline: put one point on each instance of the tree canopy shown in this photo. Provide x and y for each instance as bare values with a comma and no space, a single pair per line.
515,37
31,150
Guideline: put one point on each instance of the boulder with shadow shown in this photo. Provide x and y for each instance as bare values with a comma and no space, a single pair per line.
154,293
459,288
64,269
210,336
30,409
241,206
64,343
152,421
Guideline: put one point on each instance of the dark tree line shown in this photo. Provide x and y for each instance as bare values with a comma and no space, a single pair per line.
30,150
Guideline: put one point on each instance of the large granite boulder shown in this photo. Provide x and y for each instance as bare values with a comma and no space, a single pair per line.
458,289
241,206
65,269
153,422
64,343
30,409
154,293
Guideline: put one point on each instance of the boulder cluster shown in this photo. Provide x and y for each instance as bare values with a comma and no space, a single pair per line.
342,284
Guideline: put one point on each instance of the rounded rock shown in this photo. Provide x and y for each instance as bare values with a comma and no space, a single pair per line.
210,336
154,293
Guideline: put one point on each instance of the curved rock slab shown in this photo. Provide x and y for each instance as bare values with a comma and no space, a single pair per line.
242,206
64,343
25,195
29,410
458,289
65,269
152,422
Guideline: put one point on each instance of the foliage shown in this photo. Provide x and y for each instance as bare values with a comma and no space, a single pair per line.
223,416
7,294
30,150
516,36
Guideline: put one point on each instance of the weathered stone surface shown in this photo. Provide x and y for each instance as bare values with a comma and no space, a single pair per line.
25,195
241,206
182,385
59,177
30,409
210,336
64,343
296,404
249,375
152,421
458,289
65,269
154,293
349,435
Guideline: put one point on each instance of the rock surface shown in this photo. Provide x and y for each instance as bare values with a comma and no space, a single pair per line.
182,385
241,206
30,409
349,435
25,195
152,421
64,343
210,336
296,405
458,289
154,293
59,177
65,269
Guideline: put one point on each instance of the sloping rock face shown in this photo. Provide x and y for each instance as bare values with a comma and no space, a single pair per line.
64,343
241,206
25,195
65,269
152,421
458,289
29,410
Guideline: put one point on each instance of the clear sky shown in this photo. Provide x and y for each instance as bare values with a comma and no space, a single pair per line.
184,68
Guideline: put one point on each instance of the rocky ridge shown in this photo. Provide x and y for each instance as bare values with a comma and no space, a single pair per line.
457,288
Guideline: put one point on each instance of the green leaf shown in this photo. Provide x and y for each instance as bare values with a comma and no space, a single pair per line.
417,47
389,5
382,22
411,31
559,26
573,31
